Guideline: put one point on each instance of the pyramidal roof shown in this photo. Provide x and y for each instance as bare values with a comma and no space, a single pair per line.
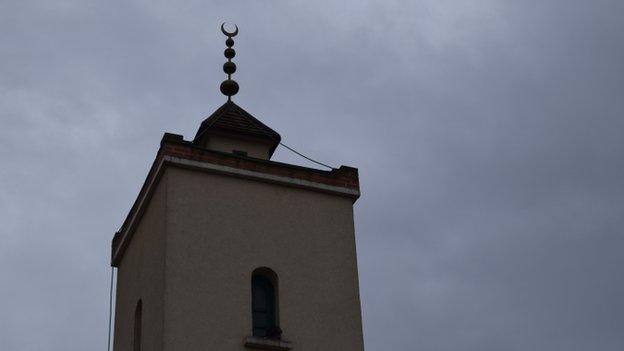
232,119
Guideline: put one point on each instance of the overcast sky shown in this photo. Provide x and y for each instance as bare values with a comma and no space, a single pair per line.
488,135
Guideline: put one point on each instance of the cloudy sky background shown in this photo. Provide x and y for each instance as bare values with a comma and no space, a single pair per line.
488,135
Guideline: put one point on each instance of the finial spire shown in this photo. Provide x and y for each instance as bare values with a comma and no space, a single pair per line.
229,87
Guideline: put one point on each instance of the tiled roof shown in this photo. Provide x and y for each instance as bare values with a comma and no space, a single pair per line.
232,118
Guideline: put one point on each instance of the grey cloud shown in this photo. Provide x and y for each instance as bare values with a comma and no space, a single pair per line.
487,134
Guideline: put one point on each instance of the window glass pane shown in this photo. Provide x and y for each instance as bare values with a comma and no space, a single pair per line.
138,321
259,298
261,320
263,305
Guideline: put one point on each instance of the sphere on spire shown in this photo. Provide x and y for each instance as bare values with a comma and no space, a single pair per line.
229,87
229,53
229,67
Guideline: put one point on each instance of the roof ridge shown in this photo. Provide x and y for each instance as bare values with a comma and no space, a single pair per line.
254,121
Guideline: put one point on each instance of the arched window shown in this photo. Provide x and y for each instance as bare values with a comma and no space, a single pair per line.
264,304
138,317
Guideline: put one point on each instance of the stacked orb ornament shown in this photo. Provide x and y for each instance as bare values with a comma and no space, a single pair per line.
229,87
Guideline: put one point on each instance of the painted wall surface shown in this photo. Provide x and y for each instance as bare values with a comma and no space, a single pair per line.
140,275
220,228
228,144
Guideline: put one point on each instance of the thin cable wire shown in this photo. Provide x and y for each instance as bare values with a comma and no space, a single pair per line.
304,156
293,150
110,308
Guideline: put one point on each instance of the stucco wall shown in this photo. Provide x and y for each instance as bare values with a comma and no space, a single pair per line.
220,228
140,276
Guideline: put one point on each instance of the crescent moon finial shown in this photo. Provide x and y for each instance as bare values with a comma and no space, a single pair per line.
229,87
230,35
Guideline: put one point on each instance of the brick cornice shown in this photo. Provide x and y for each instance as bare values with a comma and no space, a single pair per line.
174,145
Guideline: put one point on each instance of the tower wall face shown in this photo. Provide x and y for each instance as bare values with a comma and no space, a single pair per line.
220,228
140,275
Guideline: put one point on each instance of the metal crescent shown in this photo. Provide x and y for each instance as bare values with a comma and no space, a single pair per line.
233,34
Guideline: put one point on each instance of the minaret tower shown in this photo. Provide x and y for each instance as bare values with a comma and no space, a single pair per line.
225,249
